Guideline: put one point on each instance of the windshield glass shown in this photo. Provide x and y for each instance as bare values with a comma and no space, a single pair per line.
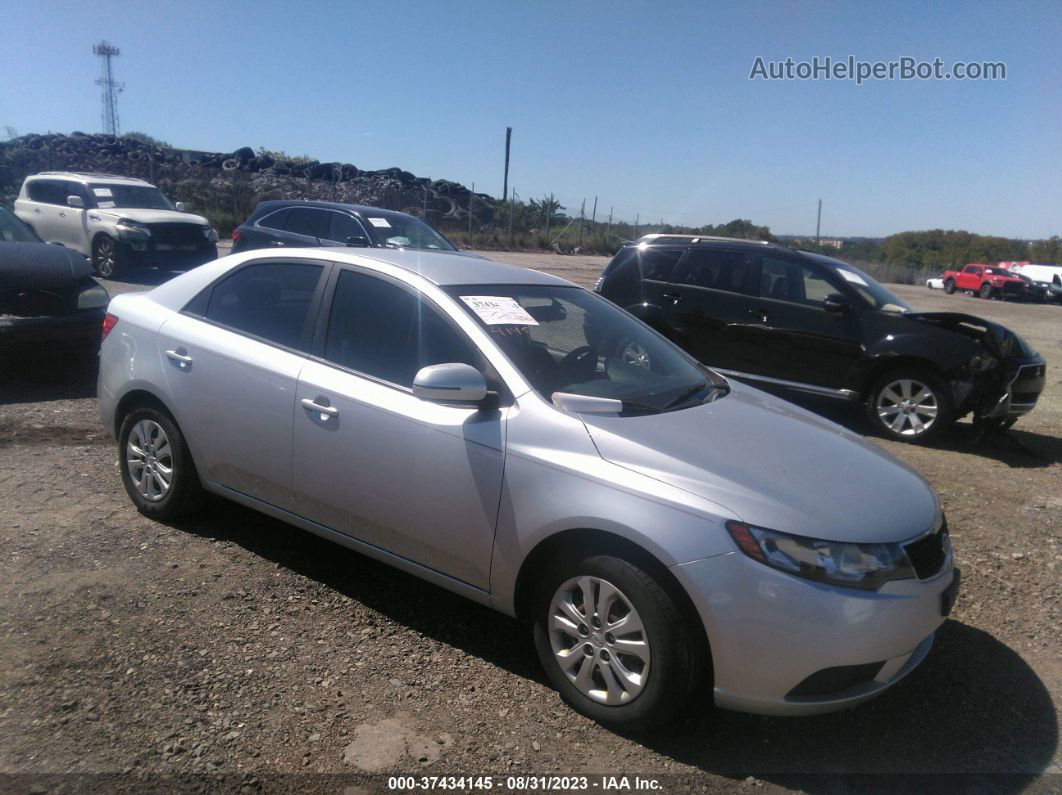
566,339
399,231
12,230
139,197
874,293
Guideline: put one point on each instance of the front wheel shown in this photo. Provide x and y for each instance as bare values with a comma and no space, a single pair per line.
107,257
614,643
985,291
909,405
949,286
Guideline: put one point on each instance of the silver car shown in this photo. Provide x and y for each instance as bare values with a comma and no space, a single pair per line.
519,440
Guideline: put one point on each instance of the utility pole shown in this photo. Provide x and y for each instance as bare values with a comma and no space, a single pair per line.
636,219
549,213
512,206
471,196
818,224
508,140
593,216
109,85
582,221
608,229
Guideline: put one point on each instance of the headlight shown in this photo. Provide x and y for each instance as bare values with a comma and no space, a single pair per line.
866,566
210,233
92,297
981,362
127,228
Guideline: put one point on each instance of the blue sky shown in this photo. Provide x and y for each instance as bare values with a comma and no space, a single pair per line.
649,106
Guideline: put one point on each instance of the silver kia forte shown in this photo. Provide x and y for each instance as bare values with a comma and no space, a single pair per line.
519,440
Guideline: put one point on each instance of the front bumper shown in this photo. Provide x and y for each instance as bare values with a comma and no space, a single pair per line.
150,254
770,632
75,331
1023,382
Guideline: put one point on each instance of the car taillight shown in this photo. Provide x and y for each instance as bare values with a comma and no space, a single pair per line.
235,235
109,322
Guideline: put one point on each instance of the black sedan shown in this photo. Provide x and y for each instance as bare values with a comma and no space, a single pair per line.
48,298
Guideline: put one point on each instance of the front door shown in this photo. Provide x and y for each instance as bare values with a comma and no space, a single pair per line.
419,479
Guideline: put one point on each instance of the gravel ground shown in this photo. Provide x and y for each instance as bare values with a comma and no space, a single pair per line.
234,651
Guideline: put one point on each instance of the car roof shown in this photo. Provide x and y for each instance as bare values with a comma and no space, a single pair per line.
89,176
361,209
446,268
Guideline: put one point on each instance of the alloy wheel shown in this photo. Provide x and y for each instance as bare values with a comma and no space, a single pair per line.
907,407
105,257
598,640
149,459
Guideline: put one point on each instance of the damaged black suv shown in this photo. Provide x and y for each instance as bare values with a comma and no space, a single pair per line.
802,321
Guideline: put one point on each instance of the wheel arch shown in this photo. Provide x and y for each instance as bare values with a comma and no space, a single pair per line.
885,364
137,398
578,540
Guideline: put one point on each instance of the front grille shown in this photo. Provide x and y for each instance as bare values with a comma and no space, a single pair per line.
1031,371
833,681
927,554
177,234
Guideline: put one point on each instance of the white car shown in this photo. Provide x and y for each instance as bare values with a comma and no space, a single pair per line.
936,283
114,221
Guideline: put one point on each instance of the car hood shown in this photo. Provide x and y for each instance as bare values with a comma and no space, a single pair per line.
40,266
1000,340
153,216
775,465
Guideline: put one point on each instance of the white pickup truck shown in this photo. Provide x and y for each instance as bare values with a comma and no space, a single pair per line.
115,221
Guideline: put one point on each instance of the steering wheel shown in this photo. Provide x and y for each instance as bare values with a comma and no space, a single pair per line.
581,362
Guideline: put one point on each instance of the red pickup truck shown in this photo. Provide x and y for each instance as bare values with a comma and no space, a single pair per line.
986,281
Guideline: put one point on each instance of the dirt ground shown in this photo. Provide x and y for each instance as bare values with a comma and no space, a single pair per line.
235,652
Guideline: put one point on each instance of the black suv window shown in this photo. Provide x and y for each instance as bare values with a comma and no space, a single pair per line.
307,221
47,191
343,226
270,300
275,220
717,269
380,329
786,280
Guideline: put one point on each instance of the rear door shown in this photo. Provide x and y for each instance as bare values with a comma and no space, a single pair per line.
416,478
305,226
710,294
47,197
791,334
970,278
232,359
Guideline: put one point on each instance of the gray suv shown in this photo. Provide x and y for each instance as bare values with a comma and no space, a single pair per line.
470,423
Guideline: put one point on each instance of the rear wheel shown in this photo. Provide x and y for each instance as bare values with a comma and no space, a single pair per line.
156,465
949,286
614,643
986,291
910,405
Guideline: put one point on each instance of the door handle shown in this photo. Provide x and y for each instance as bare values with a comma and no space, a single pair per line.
311,405
183,360
672,297
276,243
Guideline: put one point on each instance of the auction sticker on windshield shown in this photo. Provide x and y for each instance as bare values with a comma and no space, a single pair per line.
854,278
381,223
499,310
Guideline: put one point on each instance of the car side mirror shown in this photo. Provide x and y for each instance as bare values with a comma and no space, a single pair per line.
181,207
450,383
357,241
835,302
75,201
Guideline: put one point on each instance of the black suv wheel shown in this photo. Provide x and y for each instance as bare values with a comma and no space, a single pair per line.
909,405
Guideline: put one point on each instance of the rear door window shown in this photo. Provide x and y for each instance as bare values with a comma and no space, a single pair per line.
47,191
268,300
307,221
718,269
275,220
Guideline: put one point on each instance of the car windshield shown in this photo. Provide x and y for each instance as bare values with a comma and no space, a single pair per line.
139,197
399,231
874,293
566,339
12,230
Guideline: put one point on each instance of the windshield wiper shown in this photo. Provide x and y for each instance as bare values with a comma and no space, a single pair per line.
633,407
689,393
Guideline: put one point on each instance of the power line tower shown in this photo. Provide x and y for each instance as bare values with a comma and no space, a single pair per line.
110,86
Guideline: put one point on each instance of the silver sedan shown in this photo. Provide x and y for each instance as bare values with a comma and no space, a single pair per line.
516,439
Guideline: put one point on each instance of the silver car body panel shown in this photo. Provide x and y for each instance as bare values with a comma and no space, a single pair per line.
462,497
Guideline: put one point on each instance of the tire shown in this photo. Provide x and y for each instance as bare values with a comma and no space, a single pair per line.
647,684
108,260
949,286
985,291
157,468
909,405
